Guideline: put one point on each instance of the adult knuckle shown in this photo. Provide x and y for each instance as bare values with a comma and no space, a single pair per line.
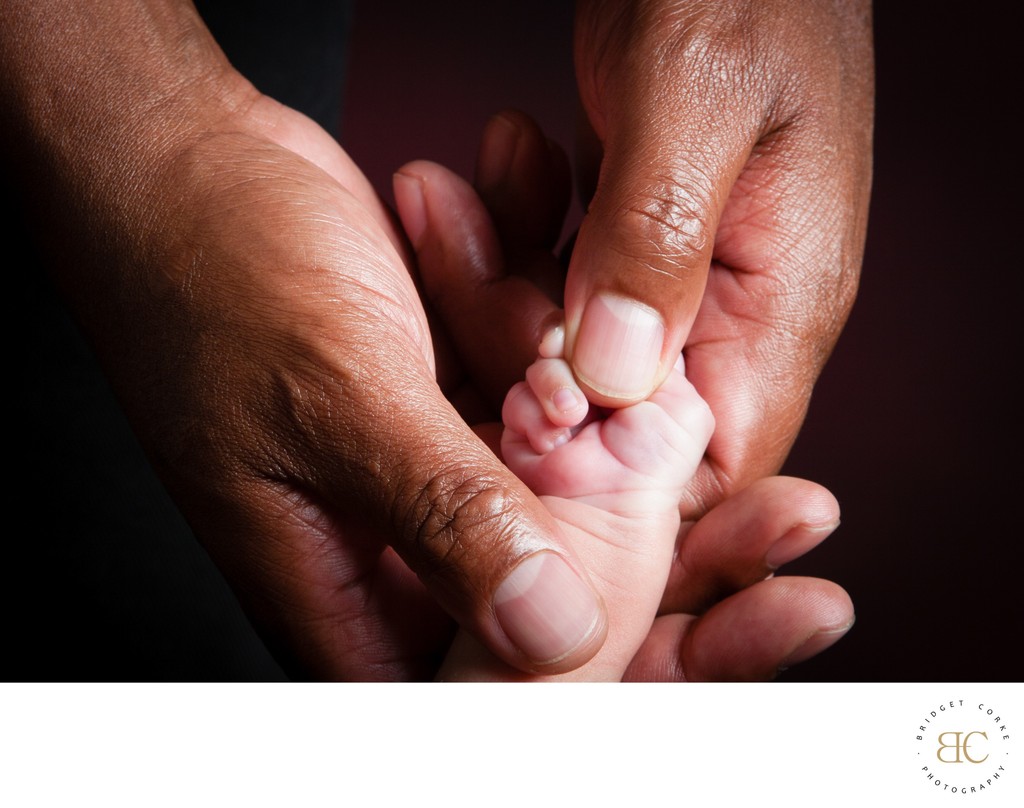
666,228
456,514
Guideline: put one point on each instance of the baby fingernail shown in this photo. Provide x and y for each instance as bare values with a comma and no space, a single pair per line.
560,438
553,343
565,400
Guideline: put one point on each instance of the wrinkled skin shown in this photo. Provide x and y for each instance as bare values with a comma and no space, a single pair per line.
722,616
727,164
249,298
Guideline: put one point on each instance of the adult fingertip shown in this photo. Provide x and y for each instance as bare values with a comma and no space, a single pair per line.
818,512
497,151
550,613
816,643
835,617
411,203
798,541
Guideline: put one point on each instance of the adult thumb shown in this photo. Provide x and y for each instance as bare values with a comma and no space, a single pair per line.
488,550
485,545
641,259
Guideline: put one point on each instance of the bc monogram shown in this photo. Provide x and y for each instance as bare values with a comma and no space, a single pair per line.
961,744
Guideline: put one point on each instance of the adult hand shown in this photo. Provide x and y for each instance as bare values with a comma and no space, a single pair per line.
493,280
246,293
725,615
728,158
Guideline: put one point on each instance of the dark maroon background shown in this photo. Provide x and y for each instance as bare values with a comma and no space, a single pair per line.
910,424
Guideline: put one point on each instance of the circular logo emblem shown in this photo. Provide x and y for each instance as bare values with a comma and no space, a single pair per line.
963,747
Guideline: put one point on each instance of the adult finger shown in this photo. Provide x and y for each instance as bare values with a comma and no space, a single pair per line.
495,319
524,180
745,539
748,637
